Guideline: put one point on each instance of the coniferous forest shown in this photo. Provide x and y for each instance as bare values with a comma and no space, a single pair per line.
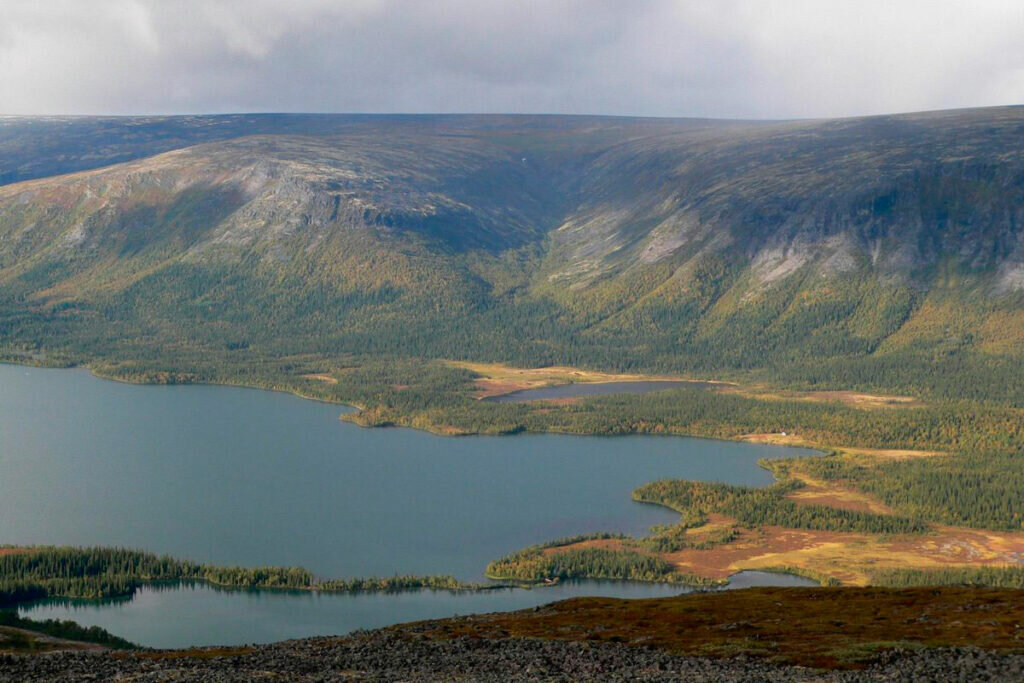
355,259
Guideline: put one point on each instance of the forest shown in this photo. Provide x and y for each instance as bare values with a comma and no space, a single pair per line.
988,577
917,504
67,630
98,573
753,507
353,259
973,488
532,565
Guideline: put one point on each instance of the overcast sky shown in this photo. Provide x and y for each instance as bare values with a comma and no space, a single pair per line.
720,58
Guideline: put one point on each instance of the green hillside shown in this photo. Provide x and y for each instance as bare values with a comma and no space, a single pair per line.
876,253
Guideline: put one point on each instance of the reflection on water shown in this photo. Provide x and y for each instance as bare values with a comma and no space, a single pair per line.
244,477
180,616
235,476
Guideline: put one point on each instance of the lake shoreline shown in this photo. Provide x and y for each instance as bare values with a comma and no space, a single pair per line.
147,468
327,478
237,613
815,634
372,585
353,415
828,496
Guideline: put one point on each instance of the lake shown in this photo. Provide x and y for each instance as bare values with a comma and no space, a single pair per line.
204,615
246,477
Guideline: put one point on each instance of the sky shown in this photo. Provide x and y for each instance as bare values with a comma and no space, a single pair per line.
707,58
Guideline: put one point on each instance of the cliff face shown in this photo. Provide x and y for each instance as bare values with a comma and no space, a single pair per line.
892,194
665,239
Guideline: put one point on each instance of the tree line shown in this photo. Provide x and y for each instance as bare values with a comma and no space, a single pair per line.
97,573
754,507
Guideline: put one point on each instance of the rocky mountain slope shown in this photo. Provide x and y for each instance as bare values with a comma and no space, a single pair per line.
658,244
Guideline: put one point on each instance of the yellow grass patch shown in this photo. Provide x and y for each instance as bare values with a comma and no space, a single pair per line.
715,524
833,494
891,453
795,439
776,438
327,379
496,379
853,399
850,558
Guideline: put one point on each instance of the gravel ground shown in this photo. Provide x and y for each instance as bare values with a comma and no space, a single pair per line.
387,656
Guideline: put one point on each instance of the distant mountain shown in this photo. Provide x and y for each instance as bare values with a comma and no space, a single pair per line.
659,244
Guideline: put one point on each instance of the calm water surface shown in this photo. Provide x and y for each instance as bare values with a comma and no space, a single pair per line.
238,476
202,615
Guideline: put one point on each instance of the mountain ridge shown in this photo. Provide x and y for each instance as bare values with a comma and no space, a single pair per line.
613,242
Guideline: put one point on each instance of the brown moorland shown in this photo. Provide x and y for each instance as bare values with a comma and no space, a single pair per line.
819,627
851,558
848,557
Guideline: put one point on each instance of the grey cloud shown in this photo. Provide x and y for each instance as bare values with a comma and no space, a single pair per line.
728,58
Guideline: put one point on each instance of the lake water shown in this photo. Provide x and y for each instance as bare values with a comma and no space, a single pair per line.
596,389
203,615
246,477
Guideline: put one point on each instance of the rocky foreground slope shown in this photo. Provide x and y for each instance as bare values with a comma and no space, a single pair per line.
392,656
766,634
